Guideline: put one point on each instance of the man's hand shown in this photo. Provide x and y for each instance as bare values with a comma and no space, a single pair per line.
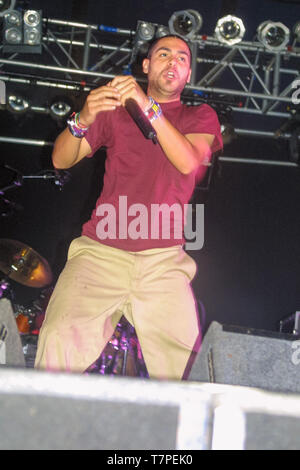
104,98
129,88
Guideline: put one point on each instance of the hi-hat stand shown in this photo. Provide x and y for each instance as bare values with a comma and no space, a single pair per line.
59,177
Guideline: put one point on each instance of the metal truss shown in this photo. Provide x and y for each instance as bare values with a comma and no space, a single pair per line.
248,78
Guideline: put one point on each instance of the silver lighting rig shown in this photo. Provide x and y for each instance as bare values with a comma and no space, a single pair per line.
258,79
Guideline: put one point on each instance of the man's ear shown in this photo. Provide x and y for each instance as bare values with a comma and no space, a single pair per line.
145,64
189,76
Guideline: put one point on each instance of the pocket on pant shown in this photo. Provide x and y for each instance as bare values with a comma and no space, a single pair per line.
74,246
191,266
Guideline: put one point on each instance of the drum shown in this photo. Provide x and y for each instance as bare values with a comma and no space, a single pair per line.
122,354
23,323
29,321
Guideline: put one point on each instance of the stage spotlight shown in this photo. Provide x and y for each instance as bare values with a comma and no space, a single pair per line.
60,108
274,36
230,30
12,29
32,27
296,31
226,122
145,32
228,133
6,5
162,31
185,23
17,104
22,31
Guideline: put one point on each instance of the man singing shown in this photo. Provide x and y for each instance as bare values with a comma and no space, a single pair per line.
142,273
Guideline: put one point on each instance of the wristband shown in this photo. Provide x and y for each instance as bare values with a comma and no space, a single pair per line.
154,111
78,123
75,127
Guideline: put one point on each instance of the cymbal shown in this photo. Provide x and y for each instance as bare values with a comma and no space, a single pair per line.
23,264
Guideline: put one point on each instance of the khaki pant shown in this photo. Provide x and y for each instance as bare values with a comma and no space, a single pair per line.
98,285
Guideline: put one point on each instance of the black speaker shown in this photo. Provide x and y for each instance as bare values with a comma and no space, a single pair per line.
11,351
253,358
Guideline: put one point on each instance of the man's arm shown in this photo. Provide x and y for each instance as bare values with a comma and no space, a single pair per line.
186,152
69,150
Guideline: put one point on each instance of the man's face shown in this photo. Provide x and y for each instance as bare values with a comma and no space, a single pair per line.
168,69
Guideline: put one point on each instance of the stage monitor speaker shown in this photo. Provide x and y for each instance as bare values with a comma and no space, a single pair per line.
64,411
252,358
11,351
60,411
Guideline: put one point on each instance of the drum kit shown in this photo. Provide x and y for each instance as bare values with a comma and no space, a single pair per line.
22,264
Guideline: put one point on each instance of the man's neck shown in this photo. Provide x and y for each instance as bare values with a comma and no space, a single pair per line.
162,98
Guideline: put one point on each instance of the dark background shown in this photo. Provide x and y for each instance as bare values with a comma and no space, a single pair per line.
248,269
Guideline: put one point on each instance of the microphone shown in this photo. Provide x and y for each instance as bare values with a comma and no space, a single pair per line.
140,119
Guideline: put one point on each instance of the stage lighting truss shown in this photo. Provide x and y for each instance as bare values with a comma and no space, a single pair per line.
77,57
230,30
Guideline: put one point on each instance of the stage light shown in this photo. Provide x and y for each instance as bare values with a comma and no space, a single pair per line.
185,23
12,29
230,30
6,5
162,31
274,36
22,31
17,104
226,123
60,108
32,27
228,133
145,31
296,31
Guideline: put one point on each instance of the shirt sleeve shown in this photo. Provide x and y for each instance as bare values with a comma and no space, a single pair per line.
204,120
100,132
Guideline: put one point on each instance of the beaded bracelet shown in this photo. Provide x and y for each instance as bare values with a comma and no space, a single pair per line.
154,111
75,127
78,123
